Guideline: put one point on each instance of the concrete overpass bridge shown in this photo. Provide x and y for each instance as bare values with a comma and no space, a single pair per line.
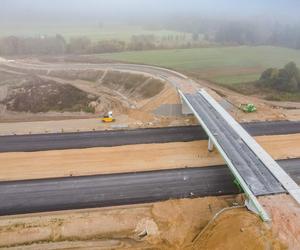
253,168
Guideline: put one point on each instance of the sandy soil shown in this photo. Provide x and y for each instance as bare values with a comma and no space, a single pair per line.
239,229
164,225
285,214
188,224
134,119
128,158
69,125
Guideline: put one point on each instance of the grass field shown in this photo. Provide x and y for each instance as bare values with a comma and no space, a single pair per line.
234,67
235,79
93,31
222,64
206,58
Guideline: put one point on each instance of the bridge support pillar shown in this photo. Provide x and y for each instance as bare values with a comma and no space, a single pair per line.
185,109
210,145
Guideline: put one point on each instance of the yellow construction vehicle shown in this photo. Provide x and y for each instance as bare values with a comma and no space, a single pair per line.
108,117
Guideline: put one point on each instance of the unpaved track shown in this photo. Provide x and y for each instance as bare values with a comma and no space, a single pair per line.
130,158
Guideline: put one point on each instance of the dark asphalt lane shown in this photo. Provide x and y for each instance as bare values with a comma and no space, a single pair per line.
292,167
272,128
17,197
28,143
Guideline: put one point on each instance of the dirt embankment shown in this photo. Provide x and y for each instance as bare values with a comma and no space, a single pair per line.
285,215
86,90
163,225
239,229
131,85
210,223
35,95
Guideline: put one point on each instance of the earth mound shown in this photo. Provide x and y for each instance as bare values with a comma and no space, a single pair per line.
47,93
34,94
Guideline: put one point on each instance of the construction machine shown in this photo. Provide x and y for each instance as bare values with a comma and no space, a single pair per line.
108,117
248,107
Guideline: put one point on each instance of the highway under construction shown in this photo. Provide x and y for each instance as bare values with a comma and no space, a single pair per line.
94,169
104,190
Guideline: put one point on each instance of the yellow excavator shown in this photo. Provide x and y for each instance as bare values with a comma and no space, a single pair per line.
108,118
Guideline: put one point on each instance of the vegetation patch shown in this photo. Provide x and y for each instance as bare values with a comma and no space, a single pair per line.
133,85
274,84
285,79
236,79
87,75
38,95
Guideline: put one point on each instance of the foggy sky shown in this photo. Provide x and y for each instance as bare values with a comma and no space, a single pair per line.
85,10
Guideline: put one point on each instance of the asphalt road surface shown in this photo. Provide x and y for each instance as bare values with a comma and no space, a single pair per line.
18,197
254,172
29,143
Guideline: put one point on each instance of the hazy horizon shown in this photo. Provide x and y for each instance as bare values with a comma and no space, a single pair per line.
19,11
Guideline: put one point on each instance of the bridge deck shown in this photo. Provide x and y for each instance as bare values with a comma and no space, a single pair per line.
257,177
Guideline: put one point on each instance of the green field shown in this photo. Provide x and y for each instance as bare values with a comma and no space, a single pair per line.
93,31
235,79
222,64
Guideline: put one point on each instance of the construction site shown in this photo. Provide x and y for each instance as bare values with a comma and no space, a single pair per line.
124,156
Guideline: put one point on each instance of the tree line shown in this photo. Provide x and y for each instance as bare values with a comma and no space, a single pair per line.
58,45
251,34
285,79
194,32
241,32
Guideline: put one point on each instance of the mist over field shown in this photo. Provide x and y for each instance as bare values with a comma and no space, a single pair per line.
116,10
100,26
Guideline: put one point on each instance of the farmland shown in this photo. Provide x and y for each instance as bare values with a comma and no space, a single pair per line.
225,65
